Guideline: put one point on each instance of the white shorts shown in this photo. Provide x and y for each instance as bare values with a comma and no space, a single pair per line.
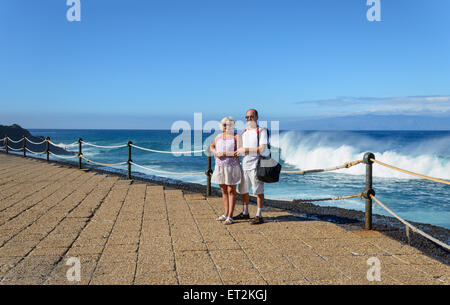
249,180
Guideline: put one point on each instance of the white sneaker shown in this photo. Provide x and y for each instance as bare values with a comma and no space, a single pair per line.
228,221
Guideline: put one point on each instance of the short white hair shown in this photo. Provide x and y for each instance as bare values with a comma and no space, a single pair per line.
225,120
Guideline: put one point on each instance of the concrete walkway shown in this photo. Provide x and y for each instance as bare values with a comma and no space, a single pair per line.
134,233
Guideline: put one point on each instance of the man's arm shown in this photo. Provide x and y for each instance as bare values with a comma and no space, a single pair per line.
255,150
263,132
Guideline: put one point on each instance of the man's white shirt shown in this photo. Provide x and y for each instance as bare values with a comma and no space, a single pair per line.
250,140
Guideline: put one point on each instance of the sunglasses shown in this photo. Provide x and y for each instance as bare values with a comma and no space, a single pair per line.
249,117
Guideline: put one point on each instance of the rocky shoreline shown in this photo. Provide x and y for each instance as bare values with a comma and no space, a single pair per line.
347,219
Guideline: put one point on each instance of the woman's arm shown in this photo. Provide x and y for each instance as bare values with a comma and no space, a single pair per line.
238,141
212,147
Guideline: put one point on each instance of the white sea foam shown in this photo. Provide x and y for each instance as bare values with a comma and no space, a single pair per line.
305,150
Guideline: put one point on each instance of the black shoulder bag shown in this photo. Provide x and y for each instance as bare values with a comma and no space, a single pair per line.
267,169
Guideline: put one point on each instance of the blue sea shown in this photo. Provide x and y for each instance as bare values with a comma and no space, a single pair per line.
426,152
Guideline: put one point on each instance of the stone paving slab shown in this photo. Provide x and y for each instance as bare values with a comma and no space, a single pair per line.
125,232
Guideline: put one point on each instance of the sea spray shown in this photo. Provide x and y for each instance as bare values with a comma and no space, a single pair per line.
310,150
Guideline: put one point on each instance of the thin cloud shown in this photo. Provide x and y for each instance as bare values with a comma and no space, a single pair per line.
411,105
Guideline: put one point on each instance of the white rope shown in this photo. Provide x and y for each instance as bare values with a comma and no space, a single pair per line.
35,142
37,153
11,140
63,157
310,200
63,145
413,228
104,164
412,173
167,152
277,199
16,149
345,165
165,172
100,146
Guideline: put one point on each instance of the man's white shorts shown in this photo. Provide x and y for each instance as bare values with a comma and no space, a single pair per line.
249,180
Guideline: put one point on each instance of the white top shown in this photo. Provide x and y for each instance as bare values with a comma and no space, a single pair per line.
250,140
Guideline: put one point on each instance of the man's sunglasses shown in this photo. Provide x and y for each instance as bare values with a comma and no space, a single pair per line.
249,117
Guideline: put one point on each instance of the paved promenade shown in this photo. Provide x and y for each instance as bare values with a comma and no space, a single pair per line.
126,232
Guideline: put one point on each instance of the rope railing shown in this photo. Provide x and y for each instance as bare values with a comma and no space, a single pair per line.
313,200
101,146
412,173
35,143
368,193
63,145
168,152
360,195
408,225
103,164
11,140
166,172
16,149
63,157
37,153
345,165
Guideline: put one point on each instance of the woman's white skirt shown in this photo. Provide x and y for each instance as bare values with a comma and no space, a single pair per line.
229,175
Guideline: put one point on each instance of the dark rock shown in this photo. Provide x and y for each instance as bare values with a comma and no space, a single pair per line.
16,133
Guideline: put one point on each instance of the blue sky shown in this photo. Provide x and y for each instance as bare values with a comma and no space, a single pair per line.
144,64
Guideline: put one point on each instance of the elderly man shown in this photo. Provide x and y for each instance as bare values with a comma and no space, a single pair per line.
251,152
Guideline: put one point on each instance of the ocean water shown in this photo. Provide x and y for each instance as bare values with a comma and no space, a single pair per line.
426,152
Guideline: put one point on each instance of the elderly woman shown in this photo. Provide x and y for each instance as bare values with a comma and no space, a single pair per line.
227,171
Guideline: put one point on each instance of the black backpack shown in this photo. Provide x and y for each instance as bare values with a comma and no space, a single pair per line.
267,169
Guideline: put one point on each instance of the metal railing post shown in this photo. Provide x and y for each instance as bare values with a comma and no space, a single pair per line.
368,190
80,152
47,147
24,147
208,172
129,159
6,143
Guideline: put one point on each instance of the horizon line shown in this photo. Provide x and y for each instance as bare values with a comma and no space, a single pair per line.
294,129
